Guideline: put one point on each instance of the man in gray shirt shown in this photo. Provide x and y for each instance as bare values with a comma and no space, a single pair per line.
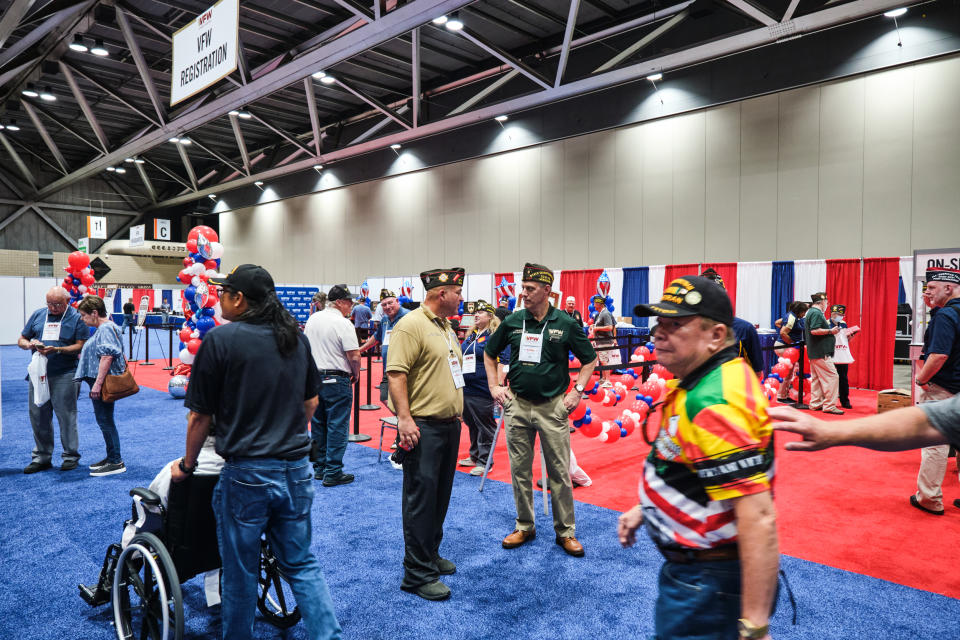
604,330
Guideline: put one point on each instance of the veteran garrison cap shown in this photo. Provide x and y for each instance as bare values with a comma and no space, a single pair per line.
943,275
386,293
537,273
838,308
818,297
483,305
338,292
442,277
691,296
713,275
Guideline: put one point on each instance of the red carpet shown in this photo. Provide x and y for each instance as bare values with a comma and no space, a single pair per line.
847,508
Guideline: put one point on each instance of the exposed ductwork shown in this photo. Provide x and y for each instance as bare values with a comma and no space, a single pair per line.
152,249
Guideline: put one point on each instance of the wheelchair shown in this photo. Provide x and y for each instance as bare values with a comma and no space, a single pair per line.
142,579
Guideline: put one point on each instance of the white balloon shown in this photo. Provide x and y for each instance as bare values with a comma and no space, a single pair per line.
603,437
82,288
218,314
653,377
196,269
186,357
216,250
195,334
211,273
195,281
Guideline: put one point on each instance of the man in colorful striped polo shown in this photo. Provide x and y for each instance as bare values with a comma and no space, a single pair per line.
705,495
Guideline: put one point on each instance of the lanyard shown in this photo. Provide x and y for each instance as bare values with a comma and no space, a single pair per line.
473,345
542,331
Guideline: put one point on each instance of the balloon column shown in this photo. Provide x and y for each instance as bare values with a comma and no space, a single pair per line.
603,290
405,292
781,371
365,293
201,306
507,290
80,276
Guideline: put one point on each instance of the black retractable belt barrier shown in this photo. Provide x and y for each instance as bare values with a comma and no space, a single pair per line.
146,338
369,406
356,436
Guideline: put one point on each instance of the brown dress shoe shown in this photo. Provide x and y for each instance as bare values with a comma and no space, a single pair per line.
571,546
518,538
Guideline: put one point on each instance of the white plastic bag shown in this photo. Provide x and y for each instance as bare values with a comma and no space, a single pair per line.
37,370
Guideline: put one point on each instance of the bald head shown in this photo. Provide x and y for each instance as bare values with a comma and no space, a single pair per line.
57,294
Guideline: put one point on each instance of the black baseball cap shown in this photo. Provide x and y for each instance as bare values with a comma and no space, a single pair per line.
251,280
691,296
338,292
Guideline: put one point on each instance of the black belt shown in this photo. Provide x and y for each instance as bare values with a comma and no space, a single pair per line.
437,418
334,372
689,556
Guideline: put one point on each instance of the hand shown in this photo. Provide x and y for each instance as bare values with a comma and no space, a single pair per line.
571,400
95,390
36,345
176,475
45,350
835,330
501,394
816,433
627,525
409,432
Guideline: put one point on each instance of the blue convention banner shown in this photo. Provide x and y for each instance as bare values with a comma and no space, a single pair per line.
297,300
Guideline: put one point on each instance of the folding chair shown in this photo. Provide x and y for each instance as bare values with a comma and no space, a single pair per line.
389,422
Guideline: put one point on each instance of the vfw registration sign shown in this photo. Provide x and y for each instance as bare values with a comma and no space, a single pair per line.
205,50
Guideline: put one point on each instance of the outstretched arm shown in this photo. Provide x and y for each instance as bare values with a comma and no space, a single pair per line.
896,430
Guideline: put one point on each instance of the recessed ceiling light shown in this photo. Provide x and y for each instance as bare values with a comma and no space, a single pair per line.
121,170
13,126
442,20
111,168
138,160
128,160
318,75
501,118
395,146
78,44
655,77
328,79
895,13
174,140
47,94
186,141
318,167
246,115
2,127
98,49
454,24
30,91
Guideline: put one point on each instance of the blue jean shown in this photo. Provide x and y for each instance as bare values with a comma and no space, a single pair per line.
272,496
103,411
330,425
698,601
128,321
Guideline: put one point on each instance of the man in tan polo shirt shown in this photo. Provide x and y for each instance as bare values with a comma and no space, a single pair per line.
426,381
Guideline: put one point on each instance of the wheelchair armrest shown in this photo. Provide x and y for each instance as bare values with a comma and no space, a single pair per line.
146,496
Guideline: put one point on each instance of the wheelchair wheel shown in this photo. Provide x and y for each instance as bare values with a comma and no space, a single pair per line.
147,603
275,598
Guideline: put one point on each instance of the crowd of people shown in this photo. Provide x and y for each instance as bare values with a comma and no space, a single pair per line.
705,493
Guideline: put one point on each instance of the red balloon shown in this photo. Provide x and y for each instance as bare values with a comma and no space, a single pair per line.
78,260
187,313
639,406
67,283
207,232
796,383
597,397
592,429
194,345
613,433
188,262
210,264
184,277
773,382
629,424
781,369
192,245
791,354
185,335
662,372
87,279
575,364
579,411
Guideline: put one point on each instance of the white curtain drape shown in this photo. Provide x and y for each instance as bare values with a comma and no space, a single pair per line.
479,286
809,277
655,276
906,273
616,289
754,282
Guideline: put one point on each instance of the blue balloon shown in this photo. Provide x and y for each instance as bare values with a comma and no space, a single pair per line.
651,346
619,423
190,323
190,292
588,411
182,346
587,419
208,311
204,324
639,397
578,423
623,432
76,282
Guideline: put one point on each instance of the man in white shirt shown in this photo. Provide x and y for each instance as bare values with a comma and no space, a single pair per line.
333,343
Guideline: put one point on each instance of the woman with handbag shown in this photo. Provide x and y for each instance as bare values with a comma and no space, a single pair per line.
102,354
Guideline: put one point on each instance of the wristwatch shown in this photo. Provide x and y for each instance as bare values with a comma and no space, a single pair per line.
184,469
749,631
579,388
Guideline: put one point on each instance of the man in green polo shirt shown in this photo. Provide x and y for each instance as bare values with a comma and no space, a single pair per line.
820,338
539,337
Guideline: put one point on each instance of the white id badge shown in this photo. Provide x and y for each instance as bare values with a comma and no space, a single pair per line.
531,344
386,337
469,363
455,371
51,331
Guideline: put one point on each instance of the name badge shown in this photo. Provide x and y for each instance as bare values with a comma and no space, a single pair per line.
51,331
469,363
455,371
386,337
531,346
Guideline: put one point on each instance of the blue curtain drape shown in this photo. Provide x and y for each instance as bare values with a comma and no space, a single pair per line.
781,289
902,294
118,302
166,295
635,291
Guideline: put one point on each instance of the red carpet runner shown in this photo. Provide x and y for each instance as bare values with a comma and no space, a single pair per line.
847,508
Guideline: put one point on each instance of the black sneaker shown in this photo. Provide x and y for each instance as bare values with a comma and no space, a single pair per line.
108,469
343,478
34,467
68,465
98,464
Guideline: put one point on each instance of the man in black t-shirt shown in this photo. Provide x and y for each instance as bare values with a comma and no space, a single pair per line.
128,312
257,376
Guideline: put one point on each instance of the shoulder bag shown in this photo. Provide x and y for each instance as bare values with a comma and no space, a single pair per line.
120,386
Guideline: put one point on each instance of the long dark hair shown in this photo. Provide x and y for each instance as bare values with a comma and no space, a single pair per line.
271,311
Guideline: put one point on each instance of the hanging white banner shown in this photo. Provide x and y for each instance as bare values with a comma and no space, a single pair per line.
137,233
205,50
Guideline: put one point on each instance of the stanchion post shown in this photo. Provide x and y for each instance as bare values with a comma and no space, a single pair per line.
130,341
169,366
369,406
146,338
800,403
356,436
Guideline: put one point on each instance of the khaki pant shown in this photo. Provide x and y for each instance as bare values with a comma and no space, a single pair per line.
524,420
933,460
824,384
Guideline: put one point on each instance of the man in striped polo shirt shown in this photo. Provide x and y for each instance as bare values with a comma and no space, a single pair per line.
705,495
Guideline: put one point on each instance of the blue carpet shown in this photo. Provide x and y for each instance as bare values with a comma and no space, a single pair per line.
57,525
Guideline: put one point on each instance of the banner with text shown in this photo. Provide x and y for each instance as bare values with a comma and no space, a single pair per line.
205,50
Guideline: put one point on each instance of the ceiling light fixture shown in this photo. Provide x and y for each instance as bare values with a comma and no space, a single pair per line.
328,79
129,160
186,141
501,118
319,75
395,146
454,24
98,49
655,77
121,170
174,140
30,91
233,112
317,167
259,183
442,20
245,115
47,94
13,126
78,44
212,196
138,160
895,13
111,168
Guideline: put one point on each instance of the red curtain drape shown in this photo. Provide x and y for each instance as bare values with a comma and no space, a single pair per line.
880,289
843,287
727,271
496,281
673,271
582,285
138,295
